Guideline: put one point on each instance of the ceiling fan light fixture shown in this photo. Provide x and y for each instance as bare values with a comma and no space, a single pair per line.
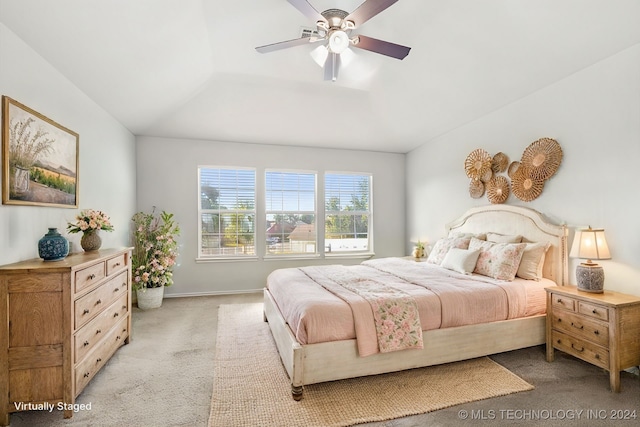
338,41
319,55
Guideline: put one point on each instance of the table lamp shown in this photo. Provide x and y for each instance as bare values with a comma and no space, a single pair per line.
590,244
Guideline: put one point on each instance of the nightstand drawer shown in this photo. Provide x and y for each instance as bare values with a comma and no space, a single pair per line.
581,327
563,301
593,310
582,349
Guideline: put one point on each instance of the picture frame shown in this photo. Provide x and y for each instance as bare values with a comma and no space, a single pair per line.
39,159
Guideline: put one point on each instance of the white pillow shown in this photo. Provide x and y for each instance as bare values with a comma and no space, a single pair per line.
461,260
503,238
442,246
532,261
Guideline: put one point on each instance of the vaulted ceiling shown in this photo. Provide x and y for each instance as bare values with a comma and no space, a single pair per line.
189,68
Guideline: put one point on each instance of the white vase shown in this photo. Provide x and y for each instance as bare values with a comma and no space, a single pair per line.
149,298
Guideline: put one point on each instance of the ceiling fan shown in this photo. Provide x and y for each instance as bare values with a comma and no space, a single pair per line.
334,27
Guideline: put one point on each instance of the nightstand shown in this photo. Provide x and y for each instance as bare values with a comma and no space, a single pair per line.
602,329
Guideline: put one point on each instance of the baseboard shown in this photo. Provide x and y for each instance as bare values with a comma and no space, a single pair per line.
214,293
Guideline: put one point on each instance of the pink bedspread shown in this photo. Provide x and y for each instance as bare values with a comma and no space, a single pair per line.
444,298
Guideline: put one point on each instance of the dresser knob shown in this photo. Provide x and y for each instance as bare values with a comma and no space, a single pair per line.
118,338
116,289
577,327
92,276
559,342
117,264
595,311
559,320
86,311
99,331
577,349
86,374
597,332
86,343
115,314
99,302
597,356
98,360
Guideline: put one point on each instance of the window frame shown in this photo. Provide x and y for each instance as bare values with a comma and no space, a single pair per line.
369,251
266,212
254,212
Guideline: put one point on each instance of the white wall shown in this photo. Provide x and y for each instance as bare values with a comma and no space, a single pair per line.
595,116
167,179
107,153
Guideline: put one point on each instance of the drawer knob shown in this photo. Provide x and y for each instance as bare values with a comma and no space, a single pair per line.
117,264
86,343
86,375
559,341
92,276
594,311
597,356
86,311
577,327
577,349
99,302
116,289
118,338
115,314
597,332
98,360
98,331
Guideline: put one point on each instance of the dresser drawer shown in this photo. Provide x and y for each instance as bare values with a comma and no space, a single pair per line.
562,301
95,359
582,349
581,327
88,276
593,310
87,338
88,306
115,264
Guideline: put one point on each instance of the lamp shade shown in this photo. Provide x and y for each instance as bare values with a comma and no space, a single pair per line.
590,244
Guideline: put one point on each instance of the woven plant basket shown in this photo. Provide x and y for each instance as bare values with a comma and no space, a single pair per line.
476,188
524,187
498,189
542,158
499,163
477,163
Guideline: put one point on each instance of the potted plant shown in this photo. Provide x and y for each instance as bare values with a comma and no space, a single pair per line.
154,256
418,250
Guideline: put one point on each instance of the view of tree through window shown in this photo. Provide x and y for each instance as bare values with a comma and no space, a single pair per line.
227,211
290,199
347,213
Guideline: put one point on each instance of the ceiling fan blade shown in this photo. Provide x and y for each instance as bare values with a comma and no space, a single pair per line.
332,66
289,43
307,10
368,10
382,47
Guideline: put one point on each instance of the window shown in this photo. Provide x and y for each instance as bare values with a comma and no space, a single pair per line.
227,212
290,201
347,213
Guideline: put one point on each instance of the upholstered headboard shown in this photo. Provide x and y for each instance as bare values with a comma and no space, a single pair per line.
530,224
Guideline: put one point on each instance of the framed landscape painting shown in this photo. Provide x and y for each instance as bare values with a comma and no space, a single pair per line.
39,159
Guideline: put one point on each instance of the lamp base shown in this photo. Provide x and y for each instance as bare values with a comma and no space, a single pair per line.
590,278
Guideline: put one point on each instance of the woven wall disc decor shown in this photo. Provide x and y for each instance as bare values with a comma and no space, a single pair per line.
499,163
476,188
513,167
542,158
525,187
477,163
498,189
487,176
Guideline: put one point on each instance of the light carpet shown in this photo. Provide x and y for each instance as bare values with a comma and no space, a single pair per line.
251,387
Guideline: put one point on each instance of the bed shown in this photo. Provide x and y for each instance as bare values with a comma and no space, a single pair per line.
310,360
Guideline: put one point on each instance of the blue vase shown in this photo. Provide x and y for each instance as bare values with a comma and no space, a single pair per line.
53,246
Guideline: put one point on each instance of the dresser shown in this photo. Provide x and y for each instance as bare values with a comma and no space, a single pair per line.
61,321
602,329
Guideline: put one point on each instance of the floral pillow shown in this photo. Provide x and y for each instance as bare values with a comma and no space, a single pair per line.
498,260
442,246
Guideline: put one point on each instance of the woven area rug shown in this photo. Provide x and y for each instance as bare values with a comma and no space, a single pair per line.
251,387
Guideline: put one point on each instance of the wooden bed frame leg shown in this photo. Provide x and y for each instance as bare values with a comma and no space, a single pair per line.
296,392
